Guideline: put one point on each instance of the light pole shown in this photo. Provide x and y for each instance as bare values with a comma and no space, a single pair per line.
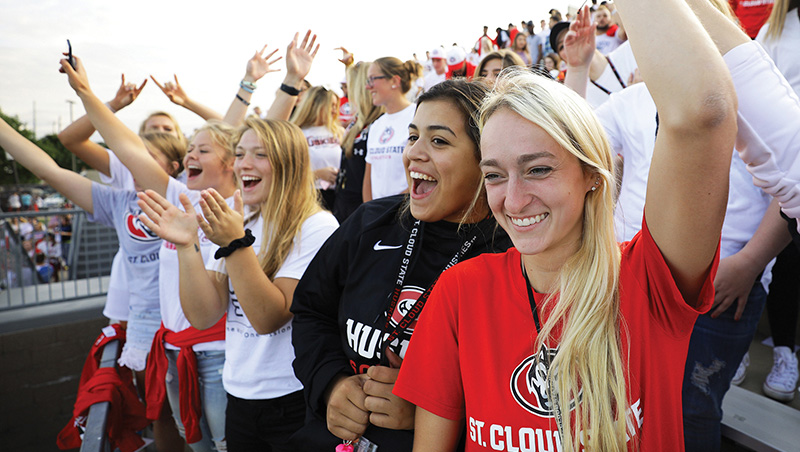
74,162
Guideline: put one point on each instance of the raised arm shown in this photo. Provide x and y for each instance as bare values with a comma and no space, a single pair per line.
72,185
769,110
176,94
298,64
579,50
124,142
257,67
204,296
76,136
687,187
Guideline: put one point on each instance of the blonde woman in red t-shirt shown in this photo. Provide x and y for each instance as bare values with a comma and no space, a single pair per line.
612,321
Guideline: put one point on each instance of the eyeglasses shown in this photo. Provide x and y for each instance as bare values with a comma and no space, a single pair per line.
371,80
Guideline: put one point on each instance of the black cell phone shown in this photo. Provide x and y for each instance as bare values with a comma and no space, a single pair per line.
70,58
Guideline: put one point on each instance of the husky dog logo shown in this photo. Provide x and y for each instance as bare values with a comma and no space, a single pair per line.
387,135
408,297
137,230
529,383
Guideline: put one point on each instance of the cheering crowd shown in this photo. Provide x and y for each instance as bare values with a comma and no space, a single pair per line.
556,242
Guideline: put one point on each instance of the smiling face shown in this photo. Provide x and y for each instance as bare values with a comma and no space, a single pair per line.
441,164
253,169
535,188
205,163
491,69
380,88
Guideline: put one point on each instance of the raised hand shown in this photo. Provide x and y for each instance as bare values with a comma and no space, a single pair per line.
258,65
222,224
167,221
299,58
173,91
579,42
126,94
347,57
78,79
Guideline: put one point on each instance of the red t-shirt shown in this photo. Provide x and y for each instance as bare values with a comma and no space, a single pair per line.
471,353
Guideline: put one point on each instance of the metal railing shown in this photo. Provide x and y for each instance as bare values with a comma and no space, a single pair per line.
77,257
95,438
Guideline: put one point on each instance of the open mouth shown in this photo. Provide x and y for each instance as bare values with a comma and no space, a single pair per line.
193,171
250,181
422,184
527,221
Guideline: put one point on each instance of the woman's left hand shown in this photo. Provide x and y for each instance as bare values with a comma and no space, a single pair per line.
221,224
386,409
78,79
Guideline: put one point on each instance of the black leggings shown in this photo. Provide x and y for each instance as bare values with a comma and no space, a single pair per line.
782,301
263,425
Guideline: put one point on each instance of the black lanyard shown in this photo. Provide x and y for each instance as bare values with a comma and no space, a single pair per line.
406,264
616,74
546,352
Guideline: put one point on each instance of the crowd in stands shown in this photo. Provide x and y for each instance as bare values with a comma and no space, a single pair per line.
588,222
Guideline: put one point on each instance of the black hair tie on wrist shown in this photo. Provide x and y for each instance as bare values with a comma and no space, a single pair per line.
243,242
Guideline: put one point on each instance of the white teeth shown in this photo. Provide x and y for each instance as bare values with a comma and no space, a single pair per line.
416,175
197,167
250,178
529,221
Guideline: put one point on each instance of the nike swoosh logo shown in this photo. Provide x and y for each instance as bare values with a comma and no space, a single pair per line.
379,247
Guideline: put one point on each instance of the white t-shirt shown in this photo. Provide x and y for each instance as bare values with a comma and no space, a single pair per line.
785,51
385,143
606,43
624,62
259,367
324,149
172,315
629,118
432,78
117,296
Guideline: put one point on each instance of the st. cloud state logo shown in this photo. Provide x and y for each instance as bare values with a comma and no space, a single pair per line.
529,384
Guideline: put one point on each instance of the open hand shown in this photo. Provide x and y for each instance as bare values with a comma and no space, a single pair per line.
176,226
579,42
299,58
221,224
258,65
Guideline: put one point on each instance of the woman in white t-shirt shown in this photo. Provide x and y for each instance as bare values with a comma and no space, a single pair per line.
317,115
388,80
255,282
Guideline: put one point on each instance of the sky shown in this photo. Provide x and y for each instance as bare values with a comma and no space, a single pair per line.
207,45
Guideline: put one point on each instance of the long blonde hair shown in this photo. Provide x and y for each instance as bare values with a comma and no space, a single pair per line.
777,17
319,107
292,197
588,366
366,111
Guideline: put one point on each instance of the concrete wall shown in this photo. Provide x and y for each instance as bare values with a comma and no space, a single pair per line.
42,351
